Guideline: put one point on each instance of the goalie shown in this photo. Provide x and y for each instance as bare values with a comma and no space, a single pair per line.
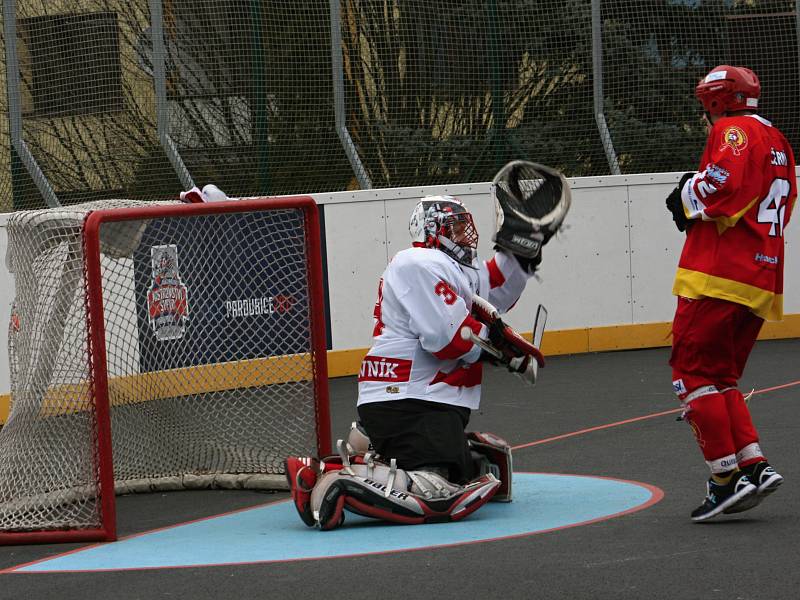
435,324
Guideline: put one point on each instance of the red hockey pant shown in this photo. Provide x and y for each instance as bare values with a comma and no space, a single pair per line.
711,341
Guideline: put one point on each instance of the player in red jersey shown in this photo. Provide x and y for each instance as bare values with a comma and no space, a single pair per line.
729,280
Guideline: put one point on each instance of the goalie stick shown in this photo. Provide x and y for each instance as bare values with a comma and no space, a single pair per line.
488,314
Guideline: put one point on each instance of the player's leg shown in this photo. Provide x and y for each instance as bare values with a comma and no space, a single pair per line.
421,435
302,474
492,454
749,454
702,356
385,492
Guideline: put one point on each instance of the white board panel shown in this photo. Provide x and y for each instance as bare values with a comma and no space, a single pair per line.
791,272
614,264
6,300
355,235
585,270
655,248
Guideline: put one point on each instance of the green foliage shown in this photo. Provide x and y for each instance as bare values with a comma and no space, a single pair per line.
434,93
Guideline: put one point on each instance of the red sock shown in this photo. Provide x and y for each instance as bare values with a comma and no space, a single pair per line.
745,436
708,416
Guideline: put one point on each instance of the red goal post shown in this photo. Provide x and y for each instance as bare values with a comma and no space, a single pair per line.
158,346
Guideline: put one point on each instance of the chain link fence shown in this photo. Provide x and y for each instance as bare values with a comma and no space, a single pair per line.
142,98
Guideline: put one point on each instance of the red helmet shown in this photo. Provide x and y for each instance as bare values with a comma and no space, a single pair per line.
726,89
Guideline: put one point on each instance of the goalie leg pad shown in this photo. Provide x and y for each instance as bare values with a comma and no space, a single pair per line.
498,452
327,502
301,476
387,493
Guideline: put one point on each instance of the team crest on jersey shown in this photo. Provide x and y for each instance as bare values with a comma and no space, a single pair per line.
734,138
717,173
167,301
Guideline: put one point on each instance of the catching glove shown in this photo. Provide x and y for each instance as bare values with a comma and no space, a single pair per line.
531,202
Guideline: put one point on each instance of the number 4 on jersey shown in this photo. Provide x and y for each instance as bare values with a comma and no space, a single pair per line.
773,207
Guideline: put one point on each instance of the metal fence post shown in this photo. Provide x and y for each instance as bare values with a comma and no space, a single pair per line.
338,99
597,72
15,111
260,102
162,106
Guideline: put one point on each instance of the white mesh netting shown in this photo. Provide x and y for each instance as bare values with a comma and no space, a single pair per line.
209,358
263,97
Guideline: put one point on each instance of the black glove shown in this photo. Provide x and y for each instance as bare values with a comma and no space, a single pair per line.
528,215
498,339
529,265
496,336
675,205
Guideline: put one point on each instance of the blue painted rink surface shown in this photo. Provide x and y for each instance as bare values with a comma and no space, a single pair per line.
274,532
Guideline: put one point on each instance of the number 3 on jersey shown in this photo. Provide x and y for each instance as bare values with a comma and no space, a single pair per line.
773,207
446,292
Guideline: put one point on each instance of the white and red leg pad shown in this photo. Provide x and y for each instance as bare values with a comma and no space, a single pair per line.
302,475
385,492
498,452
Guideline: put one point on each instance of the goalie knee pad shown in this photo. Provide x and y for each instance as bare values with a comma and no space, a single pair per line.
497,453
357,440
385,492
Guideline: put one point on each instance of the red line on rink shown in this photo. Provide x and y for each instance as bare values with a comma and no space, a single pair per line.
633,420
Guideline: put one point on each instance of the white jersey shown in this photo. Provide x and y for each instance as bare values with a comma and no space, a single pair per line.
424,299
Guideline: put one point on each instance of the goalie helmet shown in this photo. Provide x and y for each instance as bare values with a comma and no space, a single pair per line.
444,223
726,89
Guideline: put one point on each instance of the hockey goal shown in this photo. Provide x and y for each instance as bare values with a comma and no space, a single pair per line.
158,346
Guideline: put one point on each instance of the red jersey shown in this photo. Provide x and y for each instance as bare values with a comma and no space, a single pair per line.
742,199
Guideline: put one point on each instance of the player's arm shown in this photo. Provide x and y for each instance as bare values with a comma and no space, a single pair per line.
437,314
507,275
714,194
791,202
504,345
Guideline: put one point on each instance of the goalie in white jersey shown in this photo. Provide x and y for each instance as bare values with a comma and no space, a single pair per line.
411,459
420,379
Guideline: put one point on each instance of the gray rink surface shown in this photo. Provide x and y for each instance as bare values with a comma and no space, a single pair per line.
652,554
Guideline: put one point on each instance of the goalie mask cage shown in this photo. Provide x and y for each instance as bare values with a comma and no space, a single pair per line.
158,346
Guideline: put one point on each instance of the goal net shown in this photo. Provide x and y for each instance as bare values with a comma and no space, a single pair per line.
158,346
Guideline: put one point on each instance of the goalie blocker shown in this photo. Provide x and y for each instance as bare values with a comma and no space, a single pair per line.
366,485
505,346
